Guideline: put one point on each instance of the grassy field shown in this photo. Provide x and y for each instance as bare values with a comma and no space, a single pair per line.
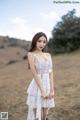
15,78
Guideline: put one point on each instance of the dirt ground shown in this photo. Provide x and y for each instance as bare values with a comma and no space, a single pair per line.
15,78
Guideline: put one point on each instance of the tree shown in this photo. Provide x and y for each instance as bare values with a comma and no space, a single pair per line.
66,34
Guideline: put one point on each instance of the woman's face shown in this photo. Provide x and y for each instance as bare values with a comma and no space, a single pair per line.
41,43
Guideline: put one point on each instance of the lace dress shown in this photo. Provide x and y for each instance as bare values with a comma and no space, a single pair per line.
34,99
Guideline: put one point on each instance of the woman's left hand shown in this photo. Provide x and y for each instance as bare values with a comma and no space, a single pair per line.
51,95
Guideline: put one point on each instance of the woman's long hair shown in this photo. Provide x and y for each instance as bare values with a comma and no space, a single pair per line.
34,41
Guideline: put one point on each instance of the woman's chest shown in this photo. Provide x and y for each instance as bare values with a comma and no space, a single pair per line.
42,64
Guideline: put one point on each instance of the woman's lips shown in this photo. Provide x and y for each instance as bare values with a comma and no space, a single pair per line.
41,47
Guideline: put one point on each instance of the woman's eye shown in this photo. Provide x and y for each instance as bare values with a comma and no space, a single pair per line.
39,40
44,41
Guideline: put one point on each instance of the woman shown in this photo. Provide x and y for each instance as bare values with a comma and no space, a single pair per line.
41,90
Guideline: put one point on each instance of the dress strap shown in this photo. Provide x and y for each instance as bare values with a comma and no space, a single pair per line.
35,56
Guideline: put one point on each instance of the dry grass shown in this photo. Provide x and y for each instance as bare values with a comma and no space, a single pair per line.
15,78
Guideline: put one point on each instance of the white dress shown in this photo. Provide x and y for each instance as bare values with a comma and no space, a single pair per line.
34,99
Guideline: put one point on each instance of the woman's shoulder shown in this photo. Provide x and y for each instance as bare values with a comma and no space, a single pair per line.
30,54
47,53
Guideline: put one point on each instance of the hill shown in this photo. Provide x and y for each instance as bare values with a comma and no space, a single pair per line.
12,50
15,78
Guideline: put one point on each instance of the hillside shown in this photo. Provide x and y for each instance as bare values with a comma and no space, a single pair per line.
15,78
12,50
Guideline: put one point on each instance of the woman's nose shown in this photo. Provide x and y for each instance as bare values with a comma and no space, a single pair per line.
42,43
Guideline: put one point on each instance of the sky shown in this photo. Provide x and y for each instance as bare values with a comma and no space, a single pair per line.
24,18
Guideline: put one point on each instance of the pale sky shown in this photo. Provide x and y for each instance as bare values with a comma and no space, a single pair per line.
23,18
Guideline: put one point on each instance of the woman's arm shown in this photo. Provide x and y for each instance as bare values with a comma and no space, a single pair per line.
51,82
51,76
34,72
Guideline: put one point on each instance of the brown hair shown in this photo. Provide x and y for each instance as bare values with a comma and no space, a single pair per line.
35,39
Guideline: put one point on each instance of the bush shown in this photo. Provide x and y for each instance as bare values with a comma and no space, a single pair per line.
12,61
24,57
2,46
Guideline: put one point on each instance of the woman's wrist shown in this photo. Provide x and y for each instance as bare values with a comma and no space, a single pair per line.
42,91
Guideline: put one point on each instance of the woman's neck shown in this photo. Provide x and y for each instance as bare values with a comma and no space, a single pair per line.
37,51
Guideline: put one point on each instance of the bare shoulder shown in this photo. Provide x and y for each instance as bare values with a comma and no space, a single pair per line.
30,55
48,54
30,58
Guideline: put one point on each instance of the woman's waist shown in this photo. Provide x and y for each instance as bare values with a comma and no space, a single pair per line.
43,74
43,70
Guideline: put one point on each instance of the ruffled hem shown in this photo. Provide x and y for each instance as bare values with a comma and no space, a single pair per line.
37,103
34,101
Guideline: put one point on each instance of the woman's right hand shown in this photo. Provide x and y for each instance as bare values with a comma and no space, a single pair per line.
43,95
